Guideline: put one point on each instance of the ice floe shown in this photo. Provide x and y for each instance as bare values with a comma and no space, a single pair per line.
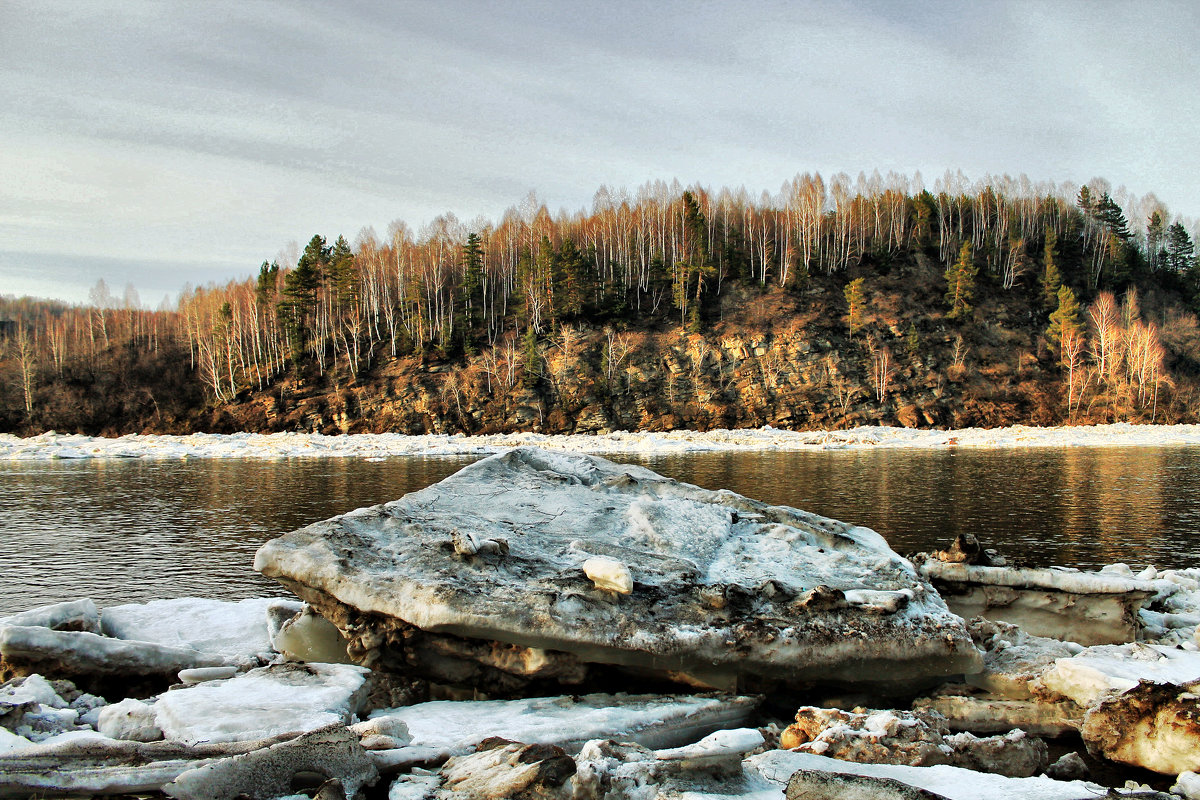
264,702
614,565
376,446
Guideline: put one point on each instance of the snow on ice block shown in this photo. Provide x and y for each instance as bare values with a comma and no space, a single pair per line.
234,630
443,728
1099,672
264,702
720,583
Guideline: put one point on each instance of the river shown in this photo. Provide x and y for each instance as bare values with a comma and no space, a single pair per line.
130,530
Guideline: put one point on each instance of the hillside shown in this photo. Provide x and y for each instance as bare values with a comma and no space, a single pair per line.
681,310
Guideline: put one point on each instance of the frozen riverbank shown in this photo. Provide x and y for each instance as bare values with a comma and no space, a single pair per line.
306,445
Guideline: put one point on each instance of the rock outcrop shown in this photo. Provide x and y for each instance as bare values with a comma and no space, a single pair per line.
534,565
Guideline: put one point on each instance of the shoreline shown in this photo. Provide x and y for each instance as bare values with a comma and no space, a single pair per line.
52,446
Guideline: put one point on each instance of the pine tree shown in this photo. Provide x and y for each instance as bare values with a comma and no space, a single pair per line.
1180,248
960,282
854,305
300,291
1064,320
472,261
343,272
266,286
1110,214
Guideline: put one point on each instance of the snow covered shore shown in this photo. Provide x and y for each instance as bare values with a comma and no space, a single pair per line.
306,445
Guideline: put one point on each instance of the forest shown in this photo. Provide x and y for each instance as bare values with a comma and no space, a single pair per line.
831,303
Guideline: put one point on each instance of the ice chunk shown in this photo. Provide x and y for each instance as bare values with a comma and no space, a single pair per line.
74,615
953,783
966,710
332,753
903,737
442,728
1187,785
10,741
129,719
42,723
1084,607
877,737
1012,657
719,749
236,631
509,769
86,763
1098,672
1154,726
609,574
282,698
202,674
725,584
33,689
80,653
415,786
310,637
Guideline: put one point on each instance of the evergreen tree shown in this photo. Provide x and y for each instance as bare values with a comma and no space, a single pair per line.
854,305
1112,217
343,271
1180,248
300,291
735,260
960,282
923,212
1085,201
912,340
1064,319
1051,278
266,286
472,262
573,278
693,269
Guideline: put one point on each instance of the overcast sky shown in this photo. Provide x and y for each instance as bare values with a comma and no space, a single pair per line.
162,143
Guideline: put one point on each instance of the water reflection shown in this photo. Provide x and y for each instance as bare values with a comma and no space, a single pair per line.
121,531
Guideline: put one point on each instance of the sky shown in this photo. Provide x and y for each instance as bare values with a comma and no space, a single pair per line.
161,144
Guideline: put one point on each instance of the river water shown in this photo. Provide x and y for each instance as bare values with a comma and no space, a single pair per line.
130,530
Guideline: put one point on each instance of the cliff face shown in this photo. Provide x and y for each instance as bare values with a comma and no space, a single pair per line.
784,359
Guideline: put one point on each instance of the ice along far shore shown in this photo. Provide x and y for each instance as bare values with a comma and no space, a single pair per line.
53,445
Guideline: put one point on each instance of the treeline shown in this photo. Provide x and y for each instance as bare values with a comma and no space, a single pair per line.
665,254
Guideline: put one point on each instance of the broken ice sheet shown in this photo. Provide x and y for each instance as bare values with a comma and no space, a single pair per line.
717,582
